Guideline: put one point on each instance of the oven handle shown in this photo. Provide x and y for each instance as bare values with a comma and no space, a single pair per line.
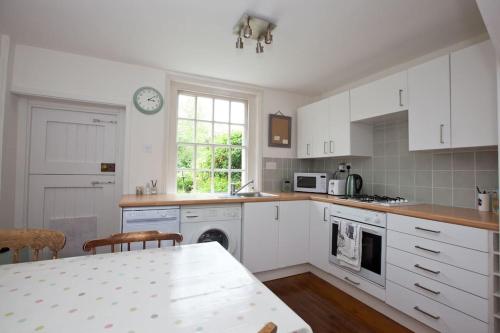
379,231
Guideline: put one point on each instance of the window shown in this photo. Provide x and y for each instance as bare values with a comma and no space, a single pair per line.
211,143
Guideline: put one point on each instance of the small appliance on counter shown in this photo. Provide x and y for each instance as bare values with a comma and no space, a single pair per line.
336,187
286,185
311,182
354,184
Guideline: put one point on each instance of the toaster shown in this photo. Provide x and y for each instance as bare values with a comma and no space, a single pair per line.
336,187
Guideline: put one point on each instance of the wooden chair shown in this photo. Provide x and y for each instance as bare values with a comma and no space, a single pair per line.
34,239
269,328
131,237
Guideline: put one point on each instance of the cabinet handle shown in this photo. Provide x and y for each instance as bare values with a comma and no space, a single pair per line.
324,213
427,289
351,281
429,230
426,249
307,149
277,217
96,182
441,127
426,269
324,147
191,216
426,313
400,97
331,144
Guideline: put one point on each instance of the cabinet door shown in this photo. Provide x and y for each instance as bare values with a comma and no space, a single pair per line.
429,112
339,143
381,97
293,244
474,96
319,233
260,236
320,128
304,132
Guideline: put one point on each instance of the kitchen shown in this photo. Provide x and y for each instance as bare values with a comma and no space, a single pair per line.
187,146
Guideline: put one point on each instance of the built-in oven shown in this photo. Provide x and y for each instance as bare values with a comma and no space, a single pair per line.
373,241
311,182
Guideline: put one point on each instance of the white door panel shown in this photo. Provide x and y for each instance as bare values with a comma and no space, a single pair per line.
79,200
71,142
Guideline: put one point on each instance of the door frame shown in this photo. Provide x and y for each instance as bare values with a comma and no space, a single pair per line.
24,111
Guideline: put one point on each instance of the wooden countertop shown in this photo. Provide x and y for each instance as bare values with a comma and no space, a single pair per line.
454,215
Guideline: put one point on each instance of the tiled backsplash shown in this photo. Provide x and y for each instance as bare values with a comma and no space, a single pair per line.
445,177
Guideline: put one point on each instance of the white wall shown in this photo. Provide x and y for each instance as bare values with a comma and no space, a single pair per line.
48,73
287,103
8,131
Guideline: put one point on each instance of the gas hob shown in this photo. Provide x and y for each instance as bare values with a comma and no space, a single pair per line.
379,200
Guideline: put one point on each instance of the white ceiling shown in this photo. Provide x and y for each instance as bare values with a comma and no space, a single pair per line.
318,44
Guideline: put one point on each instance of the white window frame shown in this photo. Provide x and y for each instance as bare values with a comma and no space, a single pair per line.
213,146
214,88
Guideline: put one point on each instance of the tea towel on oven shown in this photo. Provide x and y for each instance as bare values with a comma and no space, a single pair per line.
349,245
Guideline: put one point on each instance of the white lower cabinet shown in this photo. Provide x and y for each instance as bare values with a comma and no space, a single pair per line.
434,314
275,234
434,278
319,234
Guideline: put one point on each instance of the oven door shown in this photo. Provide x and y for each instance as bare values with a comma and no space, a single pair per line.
373,245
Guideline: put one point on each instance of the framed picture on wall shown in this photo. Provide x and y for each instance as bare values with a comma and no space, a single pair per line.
280,130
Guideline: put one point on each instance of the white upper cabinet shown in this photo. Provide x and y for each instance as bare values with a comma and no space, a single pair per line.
429,98
305,131
325,129
381,97
474,96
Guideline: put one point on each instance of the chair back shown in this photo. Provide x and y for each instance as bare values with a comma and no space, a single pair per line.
270,327
34,239
131,237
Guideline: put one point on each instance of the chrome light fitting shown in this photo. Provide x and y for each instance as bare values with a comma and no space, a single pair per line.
252,27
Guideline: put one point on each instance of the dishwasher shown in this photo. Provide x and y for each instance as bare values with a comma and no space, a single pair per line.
162,219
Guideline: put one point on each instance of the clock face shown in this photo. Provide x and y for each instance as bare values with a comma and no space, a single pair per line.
148,100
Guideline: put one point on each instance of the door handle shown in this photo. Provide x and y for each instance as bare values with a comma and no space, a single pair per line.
95,120
331,144
324,147
426,313
426,249
429,230
307,149
400,97
96,182
416,284
277,217
324,213
426,269
351,281
441,139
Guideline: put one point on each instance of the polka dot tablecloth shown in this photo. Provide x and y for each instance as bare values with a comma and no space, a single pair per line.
190,288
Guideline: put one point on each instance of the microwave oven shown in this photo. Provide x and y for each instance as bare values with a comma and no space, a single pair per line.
311,182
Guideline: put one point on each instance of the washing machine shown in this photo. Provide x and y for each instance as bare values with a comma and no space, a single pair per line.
209,223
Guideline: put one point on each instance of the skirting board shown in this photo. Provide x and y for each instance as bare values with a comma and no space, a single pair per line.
369,300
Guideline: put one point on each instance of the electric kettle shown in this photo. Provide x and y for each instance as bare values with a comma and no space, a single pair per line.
353,185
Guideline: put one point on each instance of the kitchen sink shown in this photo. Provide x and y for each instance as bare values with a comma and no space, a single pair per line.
249,195
254,195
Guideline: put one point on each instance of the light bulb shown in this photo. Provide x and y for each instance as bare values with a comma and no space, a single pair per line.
247,31
269,37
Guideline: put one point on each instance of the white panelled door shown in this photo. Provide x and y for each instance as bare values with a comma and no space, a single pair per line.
68,189
71,142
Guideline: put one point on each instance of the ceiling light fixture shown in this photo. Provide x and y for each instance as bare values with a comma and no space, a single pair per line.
256,28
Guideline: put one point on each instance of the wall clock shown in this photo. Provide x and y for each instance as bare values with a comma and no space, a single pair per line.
148,100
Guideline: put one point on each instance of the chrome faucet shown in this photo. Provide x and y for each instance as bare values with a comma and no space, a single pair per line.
235,191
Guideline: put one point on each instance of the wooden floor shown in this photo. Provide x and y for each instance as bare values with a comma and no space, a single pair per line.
327,309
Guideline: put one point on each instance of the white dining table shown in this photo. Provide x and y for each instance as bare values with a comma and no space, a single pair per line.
189,288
